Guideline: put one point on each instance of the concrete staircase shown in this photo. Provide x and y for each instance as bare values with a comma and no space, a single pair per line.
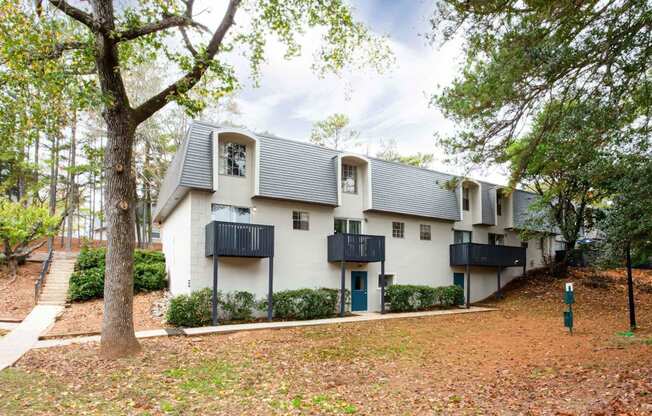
55,290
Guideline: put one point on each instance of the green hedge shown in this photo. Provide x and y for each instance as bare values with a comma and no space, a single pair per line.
190,310
196,309
403,298
87,282
304,303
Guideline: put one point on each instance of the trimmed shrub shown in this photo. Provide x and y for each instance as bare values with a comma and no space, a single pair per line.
238,305
405,298
149,277
87,282
303,303
449,296
90,258
196,309
190,310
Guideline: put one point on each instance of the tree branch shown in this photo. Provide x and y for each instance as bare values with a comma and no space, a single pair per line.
192,77
165,23
79,15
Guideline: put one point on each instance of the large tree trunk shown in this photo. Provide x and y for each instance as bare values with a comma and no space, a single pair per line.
118,336
71,181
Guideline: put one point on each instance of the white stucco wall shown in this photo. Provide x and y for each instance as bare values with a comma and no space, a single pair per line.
301,256
177,243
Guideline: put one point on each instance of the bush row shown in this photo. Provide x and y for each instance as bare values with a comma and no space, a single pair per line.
403,298
195,309
87,281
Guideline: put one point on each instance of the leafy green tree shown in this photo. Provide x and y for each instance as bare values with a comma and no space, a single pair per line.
20,226
522,57
627,225
334,132
102,43
566,165
389,152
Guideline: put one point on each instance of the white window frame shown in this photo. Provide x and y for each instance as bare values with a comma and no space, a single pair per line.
401,227
466,196
393,276
348,221
346,187
421,226
300,220
463,231
233,214
223,163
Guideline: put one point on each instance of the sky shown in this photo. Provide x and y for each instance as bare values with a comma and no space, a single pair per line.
393,105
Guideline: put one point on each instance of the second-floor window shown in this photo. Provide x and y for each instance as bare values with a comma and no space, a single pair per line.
461,236
398,229
465,199
229,213
349,179
233,159
496,239
499,203
343,225
424,232
300,220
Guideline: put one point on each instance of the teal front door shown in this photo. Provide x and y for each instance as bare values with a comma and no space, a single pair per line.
358,291
458,280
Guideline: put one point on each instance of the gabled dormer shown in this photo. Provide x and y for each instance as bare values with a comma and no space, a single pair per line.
353,181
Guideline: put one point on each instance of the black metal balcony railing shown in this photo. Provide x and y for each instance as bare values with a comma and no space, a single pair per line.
239,239
356,248
474,254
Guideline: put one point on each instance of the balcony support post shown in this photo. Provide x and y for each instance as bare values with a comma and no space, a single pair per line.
499,295
382,286
214,297
468,286
342,287
270,288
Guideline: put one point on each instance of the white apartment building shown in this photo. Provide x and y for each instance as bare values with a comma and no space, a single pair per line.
312,215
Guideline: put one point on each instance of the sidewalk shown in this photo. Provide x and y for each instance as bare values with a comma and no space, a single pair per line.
225,329
25,335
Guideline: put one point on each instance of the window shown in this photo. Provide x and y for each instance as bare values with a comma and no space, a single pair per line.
465,199
424,232
349,179
496,239
228,213
398,229
300,220
461,237
389,280
499,203
343,225
233,159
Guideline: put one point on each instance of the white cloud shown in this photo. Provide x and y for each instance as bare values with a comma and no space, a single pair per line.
381,106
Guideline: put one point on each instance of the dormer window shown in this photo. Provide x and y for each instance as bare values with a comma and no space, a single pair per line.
499,203
233,159
349,179
465,199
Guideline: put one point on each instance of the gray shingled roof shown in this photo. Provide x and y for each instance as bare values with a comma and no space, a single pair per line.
300,171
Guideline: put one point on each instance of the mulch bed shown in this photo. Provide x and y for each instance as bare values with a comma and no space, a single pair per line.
86,317
17,298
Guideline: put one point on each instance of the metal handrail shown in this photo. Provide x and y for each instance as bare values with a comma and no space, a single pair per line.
38,286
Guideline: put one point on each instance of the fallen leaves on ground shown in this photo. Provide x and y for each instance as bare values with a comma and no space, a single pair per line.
518,360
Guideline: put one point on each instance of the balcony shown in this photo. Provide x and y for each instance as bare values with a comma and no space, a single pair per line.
358,248
232,239
473,254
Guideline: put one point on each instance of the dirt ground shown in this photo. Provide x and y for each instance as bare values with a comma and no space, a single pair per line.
17,298
85,317
518,360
